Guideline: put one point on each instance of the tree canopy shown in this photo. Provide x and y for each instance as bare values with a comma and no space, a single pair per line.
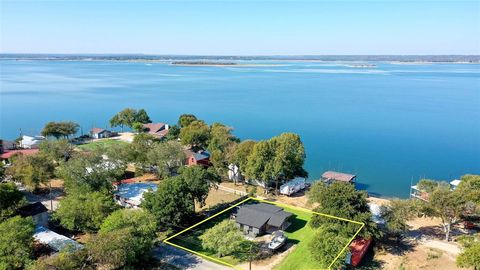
470,256
60,129
128,117
166,158
16,242
223,239
186,119
58,151
342,200
84,210
31,170
397,213
199,182
10,199
197,134
326,243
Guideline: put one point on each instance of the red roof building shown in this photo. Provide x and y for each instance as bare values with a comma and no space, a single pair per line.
9,153
159,130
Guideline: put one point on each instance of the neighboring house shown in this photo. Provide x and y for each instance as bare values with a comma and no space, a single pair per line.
6,155
31,142
54,240
99,133
130,195
158,130
260,218
331,176
6,145
199,158
37,211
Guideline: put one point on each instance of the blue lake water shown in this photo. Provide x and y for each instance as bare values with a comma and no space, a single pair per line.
388,124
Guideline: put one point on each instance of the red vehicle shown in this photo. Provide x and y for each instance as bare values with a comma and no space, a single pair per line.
358,249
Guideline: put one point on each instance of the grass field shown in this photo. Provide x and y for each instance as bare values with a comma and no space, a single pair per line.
100,143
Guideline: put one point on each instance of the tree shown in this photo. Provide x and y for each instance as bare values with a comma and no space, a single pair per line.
2,170
278,159
173,133
138,127
126,117
186,119
326,243
16,242
58,151
60,129
469,187
470,256
142,143
142,117
63,260
397,213
196,134
429,185
447,205
166,158
10,199
342,200
84,211
142,225
31,170
91,172
239,154
223,239
172,203
220,143
112,250
199,182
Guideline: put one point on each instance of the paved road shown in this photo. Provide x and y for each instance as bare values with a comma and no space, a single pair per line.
185,260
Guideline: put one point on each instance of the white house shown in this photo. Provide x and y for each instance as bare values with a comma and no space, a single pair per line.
99,133
30,142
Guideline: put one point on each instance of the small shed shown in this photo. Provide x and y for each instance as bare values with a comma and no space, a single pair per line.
100,133
37,211
54,240
332,176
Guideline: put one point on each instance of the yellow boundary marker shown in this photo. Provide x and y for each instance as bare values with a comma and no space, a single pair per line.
166,241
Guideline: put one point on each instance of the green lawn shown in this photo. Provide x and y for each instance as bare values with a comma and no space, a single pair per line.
299,233
102,143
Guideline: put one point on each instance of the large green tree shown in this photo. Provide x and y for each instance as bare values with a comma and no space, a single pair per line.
278,159
92,172
342,200
166,158
469,187
172,203
142,225
223,239
84,210
239,154
58,151
31,170
186,119
112,250
196,134
220,145
199,181
16,242
10,199
447,205
397,213
128,117
60,129
326,243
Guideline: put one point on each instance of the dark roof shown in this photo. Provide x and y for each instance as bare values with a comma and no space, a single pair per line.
32,209
338,176
200,155
97,130
259,214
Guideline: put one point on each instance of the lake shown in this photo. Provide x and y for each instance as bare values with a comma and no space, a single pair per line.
389,124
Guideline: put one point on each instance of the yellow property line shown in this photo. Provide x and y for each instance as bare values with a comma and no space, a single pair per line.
166,241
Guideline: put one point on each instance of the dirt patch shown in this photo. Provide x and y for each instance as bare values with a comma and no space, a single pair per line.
217,196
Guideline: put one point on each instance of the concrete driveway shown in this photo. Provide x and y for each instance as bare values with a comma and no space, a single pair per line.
184,260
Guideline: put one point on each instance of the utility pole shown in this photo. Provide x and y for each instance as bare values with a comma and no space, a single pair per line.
51,199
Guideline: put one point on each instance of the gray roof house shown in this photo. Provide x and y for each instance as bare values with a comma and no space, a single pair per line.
260,218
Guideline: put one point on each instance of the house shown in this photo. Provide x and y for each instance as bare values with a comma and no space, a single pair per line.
130,195
37,211
31,142
260,218
197,158
6,155
54,240
100,133
158,130
6,145
454,183
331,176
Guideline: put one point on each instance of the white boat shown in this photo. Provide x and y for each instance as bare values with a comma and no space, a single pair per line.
278,240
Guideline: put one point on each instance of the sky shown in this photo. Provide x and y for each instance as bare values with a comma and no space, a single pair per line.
244,27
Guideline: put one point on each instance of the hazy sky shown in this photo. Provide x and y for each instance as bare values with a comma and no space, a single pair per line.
245,27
